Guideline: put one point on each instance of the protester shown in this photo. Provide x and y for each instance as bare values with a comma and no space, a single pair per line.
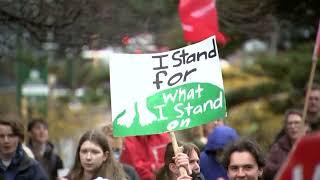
116,145
313,110
211,157
244,159
42,149
189,159
193,135
294,128
210,126
145,153
94,159
198,135
303,160
15,164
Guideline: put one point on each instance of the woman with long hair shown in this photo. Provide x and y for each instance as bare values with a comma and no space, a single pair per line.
94,159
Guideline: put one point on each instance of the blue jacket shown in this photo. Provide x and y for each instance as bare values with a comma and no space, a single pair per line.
209,166
22,167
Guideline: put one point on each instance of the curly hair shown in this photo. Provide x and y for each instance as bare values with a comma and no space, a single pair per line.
244,145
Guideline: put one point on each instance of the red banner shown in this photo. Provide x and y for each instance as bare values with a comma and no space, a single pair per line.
199,20
303,162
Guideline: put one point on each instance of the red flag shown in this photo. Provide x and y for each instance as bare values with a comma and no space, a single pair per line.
303,161
199,20
316,51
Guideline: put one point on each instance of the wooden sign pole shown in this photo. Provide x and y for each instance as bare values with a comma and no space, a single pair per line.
177,150
310,82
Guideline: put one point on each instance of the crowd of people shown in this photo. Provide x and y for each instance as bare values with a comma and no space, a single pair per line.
100,155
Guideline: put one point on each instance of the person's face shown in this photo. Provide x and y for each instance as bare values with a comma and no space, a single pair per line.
91,156
39,133
295,126
194,167
194,162
8,141
218,122
243,166
196,131
116,145
314,101
213,124
115,142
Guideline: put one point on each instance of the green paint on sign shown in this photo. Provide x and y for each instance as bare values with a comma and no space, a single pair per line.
177,108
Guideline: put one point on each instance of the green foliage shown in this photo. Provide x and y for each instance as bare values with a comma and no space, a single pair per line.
291,67
72,122
173,35
262,89
232,46
95,96
153,7
31,59
258,94
93,75
7,101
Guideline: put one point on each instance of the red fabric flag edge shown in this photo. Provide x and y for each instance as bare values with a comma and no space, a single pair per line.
198,29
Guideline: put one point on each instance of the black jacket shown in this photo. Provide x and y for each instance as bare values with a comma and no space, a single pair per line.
50,161
22,167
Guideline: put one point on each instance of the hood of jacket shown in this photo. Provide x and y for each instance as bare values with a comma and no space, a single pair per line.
219,137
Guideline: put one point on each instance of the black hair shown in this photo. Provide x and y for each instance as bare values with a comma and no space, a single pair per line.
244,145
34,122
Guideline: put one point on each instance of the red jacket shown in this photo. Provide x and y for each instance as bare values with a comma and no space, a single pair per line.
145,153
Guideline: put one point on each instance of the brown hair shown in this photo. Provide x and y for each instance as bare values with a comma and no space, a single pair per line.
244,145
164,172
36,121
314,87
291,111
110,169
107,129
14,122
116,141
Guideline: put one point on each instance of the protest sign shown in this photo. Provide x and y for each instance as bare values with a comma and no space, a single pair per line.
303,161
167,91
